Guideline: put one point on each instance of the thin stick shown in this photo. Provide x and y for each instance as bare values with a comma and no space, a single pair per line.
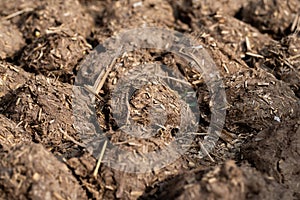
254,55
100,159
206,152
17,13
71,138
248,44
101,80
99,86
193,133
295,23
190,56
175,79
294,57
288,64
94,93
128,109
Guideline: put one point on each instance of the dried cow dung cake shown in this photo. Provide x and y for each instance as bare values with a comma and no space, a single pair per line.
28,171
43,107
238,37
55,55
256,100
226,181
274,17
282,59
277,146
11,39
54,15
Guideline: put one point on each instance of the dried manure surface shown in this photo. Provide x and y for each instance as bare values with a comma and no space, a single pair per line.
255,45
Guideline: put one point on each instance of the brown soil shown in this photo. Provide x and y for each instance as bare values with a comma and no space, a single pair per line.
256,47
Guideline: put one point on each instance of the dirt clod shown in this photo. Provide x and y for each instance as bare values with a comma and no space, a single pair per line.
29,171
55,55
274,17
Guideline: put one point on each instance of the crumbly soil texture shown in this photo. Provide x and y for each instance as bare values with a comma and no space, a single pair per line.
255,46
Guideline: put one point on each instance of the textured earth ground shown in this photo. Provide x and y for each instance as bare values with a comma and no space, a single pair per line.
255,45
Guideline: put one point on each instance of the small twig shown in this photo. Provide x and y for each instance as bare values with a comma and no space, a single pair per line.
17,13
190,56
288,64
94,93
128,109
196,82
100,159
295,24
254,55
294,57
248,44
71,138
161,126
206,152
193,133
226,68
175,79
13,68
101,79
